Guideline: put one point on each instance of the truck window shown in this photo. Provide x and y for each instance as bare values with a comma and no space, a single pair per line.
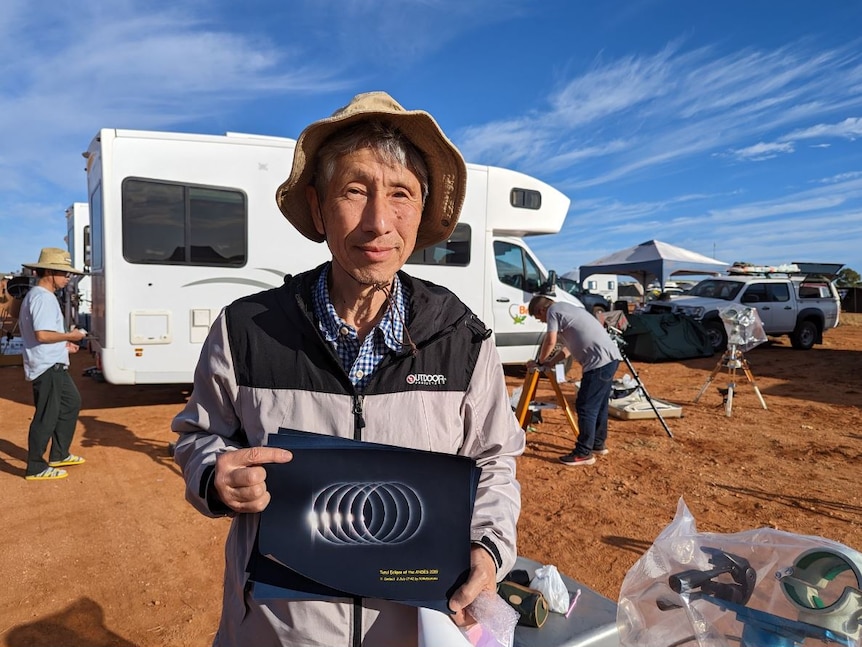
455,251
717,289
813,291
755,293
516,268
177,224
779,292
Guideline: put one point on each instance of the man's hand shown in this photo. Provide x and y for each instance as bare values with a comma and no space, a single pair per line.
531,364
240,479
77,334
72,348
482,578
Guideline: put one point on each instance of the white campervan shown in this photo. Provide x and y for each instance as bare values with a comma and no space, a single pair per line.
78,297
181,225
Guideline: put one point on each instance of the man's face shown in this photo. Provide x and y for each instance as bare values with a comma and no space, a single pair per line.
370,216
61,279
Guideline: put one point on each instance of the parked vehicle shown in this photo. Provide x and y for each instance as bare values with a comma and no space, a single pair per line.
76,296
595,303
182,224
800,306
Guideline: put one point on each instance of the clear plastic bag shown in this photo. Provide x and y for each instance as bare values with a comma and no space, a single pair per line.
757,587
495,621
549,581
743,326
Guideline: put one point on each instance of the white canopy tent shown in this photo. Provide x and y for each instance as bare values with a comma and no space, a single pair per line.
653,260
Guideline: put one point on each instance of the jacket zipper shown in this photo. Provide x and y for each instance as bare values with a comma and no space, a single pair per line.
358,418
358,425
357,622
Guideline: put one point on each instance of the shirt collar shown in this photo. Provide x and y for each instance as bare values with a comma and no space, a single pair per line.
391,326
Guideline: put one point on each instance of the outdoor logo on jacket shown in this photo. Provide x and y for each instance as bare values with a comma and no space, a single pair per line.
425,379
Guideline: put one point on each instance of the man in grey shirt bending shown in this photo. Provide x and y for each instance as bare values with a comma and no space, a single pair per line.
589,344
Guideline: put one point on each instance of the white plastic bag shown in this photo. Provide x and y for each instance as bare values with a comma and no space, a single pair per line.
549,581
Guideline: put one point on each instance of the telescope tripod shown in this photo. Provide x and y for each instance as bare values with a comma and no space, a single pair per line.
531,382
617,335
733,359
642,388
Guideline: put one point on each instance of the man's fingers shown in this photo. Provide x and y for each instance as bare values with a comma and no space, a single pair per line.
482,577
240,478
262,455
243,494
252,456
254,505
246,477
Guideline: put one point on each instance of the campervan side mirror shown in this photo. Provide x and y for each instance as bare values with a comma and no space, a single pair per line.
549,287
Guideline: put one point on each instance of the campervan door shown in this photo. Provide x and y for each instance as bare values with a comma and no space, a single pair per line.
486,261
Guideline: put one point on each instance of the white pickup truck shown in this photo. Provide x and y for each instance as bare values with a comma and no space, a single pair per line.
799,306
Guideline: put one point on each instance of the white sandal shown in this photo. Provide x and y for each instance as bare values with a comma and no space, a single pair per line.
71,459
49,473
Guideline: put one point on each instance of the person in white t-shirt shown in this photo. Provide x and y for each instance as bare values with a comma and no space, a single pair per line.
46,364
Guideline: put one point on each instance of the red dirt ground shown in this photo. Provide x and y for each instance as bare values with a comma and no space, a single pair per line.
114,556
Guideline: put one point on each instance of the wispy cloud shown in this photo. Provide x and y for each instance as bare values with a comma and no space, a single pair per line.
85,69
635,113
762,151
850,128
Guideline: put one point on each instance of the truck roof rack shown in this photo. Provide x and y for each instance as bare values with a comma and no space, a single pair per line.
749,269
797,271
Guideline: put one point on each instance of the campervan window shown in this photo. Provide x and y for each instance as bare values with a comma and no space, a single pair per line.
98,242
516,268
87,248
455,251
178,224
526,198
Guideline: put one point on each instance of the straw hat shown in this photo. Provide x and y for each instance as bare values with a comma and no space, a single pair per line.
447,173
54,258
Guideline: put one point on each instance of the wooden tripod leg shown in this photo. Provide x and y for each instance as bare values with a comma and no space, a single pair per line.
522,412
564,405
750,376
711,377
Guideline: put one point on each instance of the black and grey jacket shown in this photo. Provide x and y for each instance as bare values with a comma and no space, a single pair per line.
265,365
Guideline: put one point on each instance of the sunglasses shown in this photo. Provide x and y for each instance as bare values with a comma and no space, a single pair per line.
63,274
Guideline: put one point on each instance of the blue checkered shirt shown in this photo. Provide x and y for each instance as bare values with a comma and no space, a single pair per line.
360,361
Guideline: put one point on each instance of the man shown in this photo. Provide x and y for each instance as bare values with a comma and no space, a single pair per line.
46,364
589,344
336,351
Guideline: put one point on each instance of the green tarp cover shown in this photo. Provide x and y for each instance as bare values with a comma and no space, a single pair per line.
658,337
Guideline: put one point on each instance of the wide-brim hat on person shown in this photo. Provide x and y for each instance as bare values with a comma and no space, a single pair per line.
447,173
54,258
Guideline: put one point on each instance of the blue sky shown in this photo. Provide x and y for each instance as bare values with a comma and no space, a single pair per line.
733,129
